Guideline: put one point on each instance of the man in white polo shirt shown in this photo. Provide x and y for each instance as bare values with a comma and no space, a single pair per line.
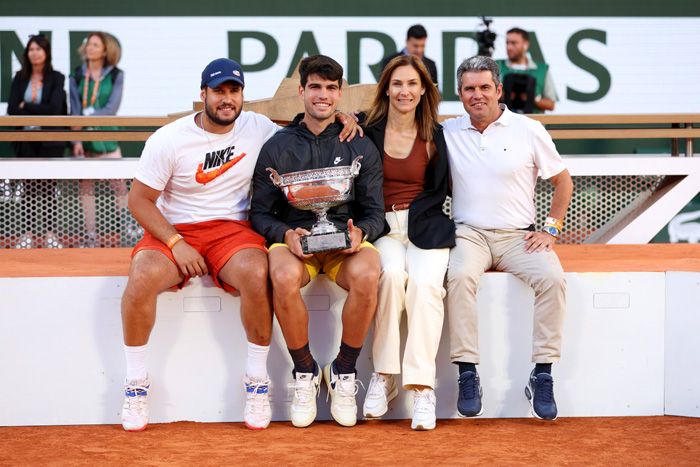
495,156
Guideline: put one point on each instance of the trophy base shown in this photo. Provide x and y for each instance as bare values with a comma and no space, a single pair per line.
319,243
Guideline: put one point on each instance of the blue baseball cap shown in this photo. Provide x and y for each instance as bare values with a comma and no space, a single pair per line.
222,70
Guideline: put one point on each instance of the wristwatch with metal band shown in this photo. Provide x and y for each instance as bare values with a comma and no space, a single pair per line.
551,230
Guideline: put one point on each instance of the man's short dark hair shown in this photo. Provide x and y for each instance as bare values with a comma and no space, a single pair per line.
523,33
320,65
417,31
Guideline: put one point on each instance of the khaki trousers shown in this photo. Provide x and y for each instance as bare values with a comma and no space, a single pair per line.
478,250
411,279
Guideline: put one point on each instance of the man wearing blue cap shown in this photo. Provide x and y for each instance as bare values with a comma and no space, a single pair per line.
191,194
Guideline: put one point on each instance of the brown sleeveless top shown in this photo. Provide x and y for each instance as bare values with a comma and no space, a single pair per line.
404,178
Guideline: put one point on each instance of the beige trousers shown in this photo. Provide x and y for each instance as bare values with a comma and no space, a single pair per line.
479,250
411,279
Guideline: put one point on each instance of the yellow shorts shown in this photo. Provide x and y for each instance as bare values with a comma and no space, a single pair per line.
328,263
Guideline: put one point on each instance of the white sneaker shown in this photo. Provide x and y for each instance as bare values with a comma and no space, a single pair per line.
135,408
382,390
342,389
423,409
303,408
257,412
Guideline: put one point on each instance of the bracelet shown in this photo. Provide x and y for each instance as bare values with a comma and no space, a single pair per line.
173,240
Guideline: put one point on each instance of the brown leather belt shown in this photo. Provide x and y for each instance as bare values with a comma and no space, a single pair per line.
400,206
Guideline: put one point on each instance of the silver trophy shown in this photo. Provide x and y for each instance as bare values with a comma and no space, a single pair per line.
318,190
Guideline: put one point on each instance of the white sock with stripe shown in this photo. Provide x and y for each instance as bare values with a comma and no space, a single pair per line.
136,362
256,365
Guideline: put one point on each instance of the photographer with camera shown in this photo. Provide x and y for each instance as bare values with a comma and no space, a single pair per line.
525,95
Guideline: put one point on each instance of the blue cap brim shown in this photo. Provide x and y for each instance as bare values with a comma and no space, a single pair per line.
218,81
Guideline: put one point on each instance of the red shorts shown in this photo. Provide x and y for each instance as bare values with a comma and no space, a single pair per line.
217,241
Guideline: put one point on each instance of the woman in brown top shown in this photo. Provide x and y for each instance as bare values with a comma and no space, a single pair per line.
414,254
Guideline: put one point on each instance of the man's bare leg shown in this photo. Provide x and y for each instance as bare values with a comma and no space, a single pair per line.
151,272
246,271
359,275
288,275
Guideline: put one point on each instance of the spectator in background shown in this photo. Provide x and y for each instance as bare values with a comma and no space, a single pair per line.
402,123
37,89
416,36
96,89
517,45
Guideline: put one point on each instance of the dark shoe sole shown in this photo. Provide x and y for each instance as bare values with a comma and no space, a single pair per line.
461,415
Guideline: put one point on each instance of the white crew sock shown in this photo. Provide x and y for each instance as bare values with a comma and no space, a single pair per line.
136,362
256,365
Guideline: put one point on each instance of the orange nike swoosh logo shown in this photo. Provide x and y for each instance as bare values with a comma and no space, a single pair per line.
205,177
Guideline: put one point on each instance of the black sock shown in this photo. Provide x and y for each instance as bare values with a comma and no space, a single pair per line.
543,368
466,367
346,359
303,360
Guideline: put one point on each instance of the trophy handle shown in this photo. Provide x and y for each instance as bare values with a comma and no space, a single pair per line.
355,166
275,177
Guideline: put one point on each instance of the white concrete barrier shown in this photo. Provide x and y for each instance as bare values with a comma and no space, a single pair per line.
62,359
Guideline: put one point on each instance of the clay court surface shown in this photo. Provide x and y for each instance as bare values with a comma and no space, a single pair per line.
567,441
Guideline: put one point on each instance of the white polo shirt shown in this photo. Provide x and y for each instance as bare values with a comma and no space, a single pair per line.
494,173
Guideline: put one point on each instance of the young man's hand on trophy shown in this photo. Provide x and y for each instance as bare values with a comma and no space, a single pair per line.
293,240
356,235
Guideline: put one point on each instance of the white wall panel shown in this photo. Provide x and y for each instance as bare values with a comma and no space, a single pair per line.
63,362
682,344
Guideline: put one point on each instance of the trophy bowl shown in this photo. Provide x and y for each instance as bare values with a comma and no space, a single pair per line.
318,190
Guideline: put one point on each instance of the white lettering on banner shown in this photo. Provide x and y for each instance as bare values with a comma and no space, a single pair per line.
629,50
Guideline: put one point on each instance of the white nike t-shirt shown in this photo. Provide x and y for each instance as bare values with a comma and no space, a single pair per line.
204,176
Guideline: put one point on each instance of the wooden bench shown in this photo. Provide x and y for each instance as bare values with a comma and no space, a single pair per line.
675,127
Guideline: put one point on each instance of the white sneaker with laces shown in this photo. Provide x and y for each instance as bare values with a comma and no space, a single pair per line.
423,409
303,408
342,389
257,412
382,390
135,408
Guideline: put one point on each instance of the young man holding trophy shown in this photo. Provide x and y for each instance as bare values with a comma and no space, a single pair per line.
318,202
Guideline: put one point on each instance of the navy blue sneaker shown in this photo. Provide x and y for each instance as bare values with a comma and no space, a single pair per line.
540,393
469,400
